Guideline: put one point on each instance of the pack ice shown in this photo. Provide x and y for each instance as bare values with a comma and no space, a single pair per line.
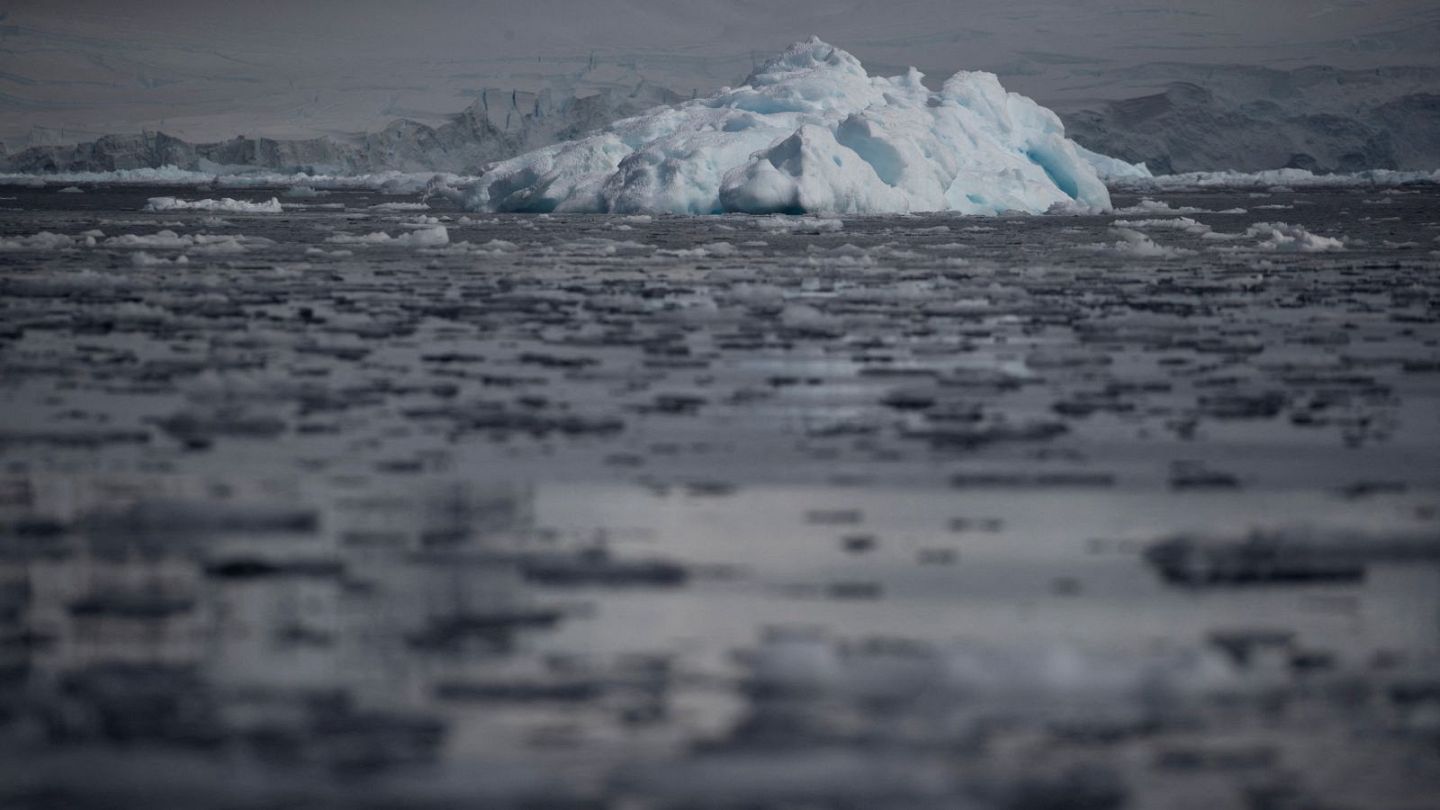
810,131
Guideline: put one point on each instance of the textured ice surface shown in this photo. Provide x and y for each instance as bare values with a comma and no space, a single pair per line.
812,131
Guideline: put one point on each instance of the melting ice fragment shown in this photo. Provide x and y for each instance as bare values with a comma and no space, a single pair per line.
810,131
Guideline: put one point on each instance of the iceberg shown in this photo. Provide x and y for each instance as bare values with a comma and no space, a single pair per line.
811,132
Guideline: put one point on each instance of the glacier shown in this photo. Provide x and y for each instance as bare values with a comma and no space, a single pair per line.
810,132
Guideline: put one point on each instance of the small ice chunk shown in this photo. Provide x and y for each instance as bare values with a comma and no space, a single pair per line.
799,224
1151,207
201,242
434,236
1282,236
44,240
1185,224
143,259
1136,243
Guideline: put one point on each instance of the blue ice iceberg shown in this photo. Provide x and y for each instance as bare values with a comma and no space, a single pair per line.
812,132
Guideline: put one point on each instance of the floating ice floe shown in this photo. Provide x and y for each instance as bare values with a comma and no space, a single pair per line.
200,243
432,236
44,241
1282,236
800,224
1161,208
270,206
800,662
1185,224
1136,243
143,259
811,131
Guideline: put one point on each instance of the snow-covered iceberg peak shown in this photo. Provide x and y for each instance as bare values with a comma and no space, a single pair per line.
810,131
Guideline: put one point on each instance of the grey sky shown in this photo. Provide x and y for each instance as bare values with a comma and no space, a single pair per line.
213,68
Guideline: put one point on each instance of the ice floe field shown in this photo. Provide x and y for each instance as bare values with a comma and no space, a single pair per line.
314,495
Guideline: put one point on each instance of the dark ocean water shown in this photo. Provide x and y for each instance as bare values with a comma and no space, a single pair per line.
861,512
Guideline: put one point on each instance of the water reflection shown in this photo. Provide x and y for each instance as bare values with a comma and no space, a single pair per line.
450,631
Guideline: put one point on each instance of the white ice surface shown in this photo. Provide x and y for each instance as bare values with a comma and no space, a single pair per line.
270,206
812,132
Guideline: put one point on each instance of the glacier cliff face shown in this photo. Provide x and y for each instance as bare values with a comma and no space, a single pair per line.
810,131
465,143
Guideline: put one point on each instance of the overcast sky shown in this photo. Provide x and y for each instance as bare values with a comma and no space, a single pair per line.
212,68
